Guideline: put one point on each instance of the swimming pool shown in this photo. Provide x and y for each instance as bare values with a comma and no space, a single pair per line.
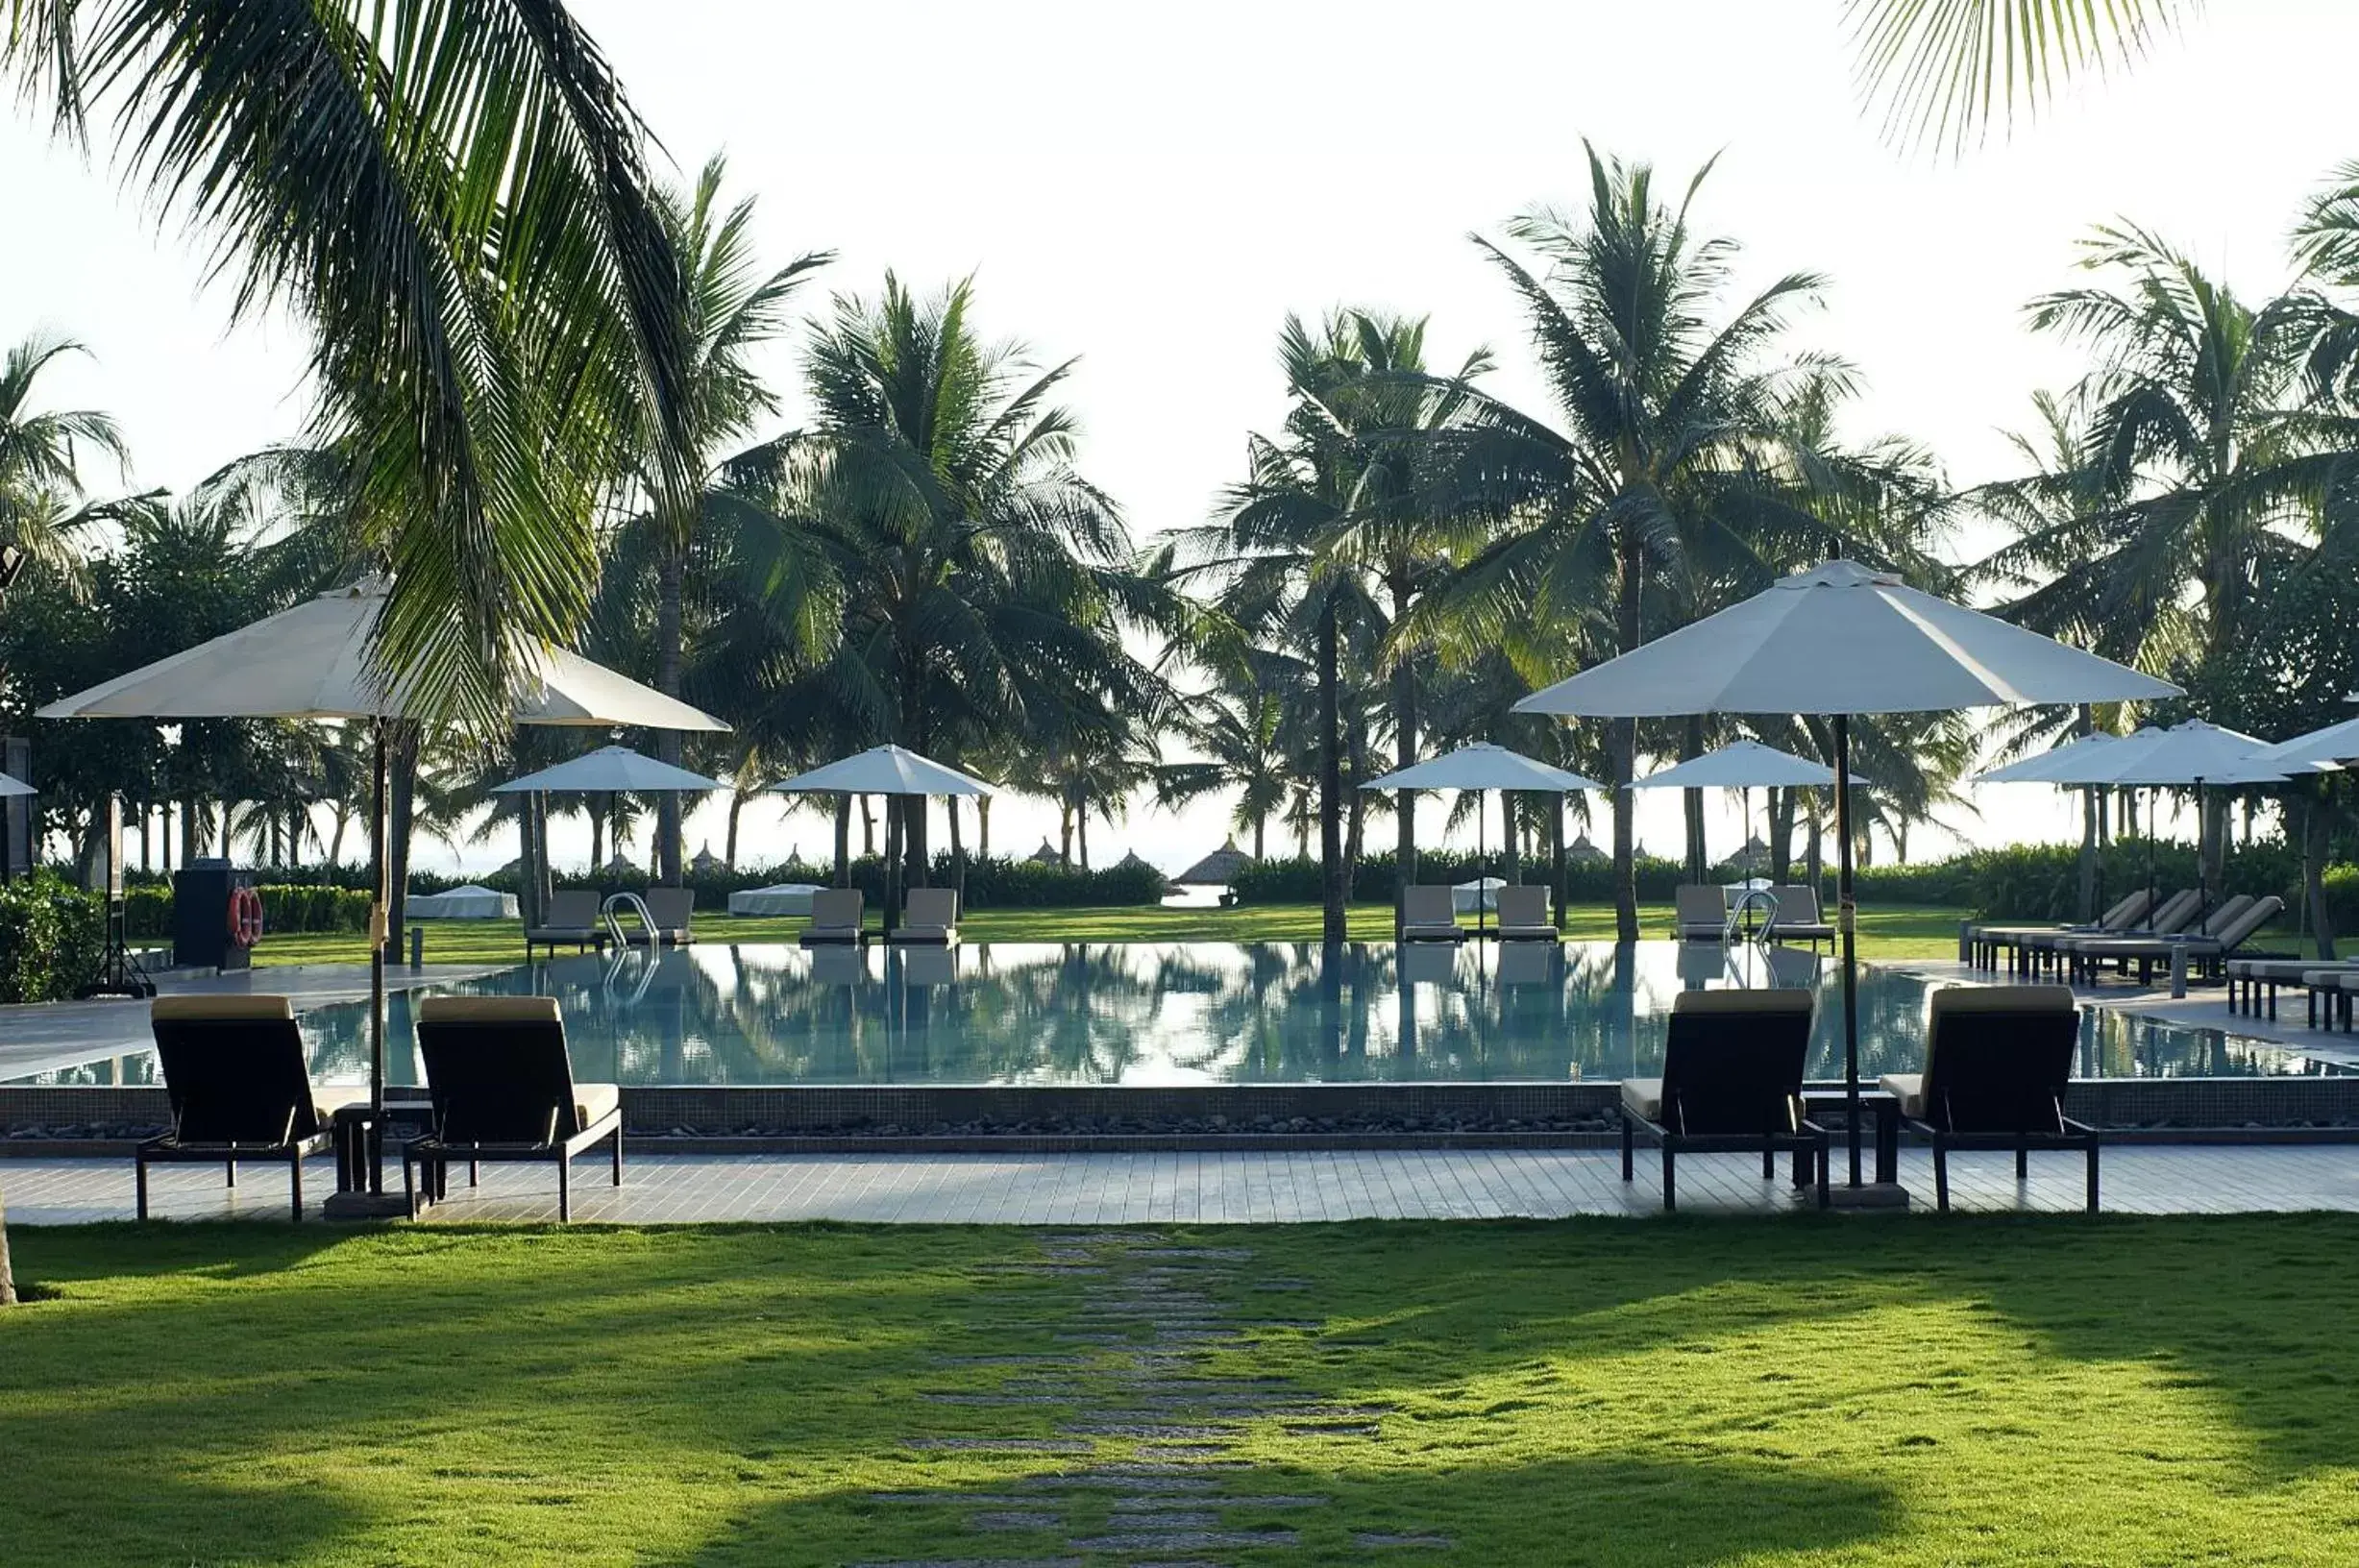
1188,1013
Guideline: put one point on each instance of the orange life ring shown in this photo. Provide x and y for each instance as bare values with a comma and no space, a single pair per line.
245,916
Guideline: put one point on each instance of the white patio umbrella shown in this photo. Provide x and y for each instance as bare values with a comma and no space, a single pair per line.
2336,743
1479,767
610,769
314,661
1739,766
11,789
2191,753
1837,640
895,772
2057,765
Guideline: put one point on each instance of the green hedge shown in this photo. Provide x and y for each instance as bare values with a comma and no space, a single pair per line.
147,910
51,935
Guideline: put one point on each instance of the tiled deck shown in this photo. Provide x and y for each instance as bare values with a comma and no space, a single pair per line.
1214,1188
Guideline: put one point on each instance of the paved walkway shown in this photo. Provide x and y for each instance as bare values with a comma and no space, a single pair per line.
1244,1188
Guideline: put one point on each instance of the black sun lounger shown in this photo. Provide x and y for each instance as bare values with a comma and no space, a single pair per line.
1732,1080
502,1089
240,1088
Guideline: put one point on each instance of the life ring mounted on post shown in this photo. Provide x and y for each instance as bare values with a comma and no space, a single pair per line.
245,916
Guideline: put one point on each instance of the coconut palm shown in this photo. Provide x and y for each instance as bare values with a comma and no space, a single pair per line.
41,456
724,306
1672,452
452,199
1940,70
1239,726
986,583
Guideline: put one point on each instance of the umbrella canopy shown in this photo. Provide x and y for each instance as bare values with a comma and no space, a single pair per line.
313,662
2063,765
606,771
1483,766
1741,764
2336,743
2194,752
1215,870
11,788
886,770
1842,639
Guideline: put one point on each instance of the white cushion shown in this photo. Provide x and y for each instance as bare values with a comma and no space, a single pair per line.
594,1101
1908,1087
1644,1097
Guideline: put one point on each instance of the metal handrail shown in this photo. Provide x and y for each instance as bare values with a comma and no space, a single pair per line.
614,922
1747,899
626,954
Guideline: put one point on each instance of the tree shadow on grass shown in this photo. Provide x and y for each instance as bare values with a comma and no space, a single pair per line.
1624,1511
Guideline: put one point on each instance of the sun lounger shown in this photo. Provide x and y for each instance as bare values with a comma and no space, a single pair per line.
929,917
1429,913
1798,917
240,1084
836,913
1985,942
502,1089
2051,952
1699,911
1523,915
1997,1061
571,918
2253,982
2329,993
674,911
1732,1080
2229,928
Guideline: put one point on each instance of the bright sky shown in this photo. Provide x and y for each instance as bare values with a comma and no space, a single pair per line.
1153,190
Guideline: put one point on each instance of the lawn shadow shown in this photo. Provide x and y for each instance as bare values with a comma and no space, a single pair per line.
1622,1511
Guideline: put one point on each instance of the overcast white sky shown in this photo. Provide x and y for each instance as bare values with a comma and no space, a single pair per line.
1154,190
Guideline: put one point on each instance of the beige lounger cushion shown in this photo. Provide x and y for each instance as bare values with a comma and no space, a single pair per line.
1428,903
1730,999
934,907
248,1006
1908,1087
1644,1097
1698,904
489,1010
595,1102
1431,933
1523,907
673,909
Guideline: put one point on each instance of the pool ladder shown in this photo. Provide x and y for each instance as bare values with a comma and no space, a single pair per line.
1750,899
610,912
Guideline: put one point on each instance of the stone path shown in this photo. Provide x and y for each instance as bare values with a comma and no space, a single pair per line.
1188,1189
1156,1428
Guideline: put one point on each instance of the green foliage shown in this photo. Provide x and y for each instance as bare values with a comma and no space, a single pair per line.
1375,879
147,910
51,935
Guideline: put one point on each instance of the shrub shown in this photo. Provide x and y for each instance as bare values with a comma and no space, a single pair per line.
147,910
51,935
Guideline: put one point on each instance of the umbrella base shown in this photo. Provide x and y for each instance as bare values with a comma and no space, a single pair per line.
365,1205
1869,1195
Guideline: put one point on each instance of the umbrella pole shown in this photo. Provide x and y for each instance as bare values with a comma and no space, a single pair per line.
378,937
1481,864
1845,920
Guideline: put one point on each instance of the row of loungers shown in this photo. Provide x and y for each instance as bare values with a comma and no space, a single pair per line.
1997,1060
499,1079
572,921
1429,913
2116,940
929,917
2328,986
1700,912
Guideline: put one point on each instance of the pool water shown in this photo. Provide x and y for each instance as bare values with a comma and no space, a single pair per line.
1188,1013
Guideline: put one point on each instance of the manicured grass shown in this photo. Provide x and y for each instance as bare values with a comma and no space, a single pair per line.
1610,1393
1903,932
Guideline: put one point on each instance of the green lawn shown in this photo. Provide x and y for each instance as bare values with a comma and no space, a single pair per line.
1683,1392
1884,933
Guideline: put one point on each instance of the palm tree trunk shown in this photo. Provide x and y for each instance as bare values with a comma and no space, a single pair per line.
1625,753
1081,834
527,873
403,761
1261,820
335,837
669,570
1404,746
1332,889
8,1272
982,826
843,841
598,838
728,844
1559,873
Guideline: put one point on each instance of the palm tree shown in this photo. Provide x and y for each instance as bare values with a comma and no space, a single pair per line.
1239,726
1667,454
454,201
724,306
1941,68
41,452
986,583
